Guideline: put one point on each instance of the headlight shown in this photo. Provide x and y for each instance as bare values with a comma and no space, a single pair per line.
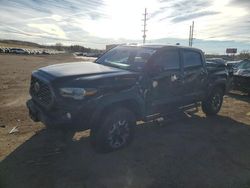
77,93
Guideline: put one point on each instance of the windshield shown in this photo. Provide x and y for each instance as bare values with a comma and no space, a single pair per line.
124,57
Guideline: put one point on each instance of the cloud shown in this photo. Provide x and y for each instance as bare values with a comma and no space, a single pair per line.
50,29
241,3
47,20
177,19
56,17
187,6
181,9
238,29
95,23
34,8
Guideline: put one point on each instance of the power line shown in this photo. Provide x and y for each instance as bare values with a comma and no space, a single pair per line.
144,26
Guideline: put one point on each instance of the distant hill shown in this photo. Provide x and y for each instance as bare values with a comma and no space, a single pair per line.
57,46
17,43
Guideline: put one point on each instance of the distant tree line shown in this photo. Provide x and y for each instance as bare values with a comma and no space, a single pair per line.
73,48
18,42
57,46
244,54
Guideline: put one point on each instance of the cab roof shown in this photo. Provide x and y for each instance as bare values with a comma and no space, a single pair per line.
161,46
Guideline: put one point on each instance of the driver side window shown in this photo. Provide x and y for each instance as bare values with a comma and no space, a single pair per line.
121,56
168,60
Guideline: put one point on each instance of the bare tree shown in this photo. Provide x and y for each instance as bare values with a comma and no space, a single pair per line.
244,54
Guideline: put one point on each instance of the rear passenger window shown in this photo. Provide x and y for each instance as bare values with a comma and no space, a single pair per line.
168,60
191,59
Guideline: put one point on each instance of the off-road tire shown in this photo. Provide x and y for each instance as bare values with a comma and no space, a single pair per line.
113,131
212,104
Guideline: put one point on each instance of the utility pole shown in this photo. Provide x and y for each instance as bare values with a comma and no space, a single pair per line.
144,25
191,34
192,38
189,39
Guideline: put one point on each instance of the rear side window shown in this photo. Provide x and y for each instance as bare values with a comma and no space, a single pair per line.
191,59
168,60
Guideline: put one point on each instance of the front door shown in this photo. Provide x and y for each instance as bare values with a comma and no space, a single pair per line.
166,88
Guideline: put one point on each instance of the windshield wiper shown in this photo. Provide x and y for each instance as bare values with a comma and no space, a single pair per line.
117,65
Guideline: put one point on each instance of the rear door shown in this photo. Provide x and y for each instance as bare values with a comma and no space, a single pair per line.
194,75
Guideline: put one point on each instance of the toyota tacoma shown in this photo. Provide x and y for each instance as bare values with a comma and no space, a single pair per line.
126,84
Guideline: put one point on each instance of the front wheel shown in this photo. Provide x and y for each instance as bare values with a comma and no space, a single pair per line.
113,131
212,104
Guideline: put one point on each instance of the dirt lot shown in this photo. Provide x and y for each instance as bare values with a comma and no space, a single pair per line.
185,151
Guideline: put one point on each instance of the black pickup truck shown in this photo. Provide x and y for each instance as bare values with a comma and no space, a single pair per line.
126,84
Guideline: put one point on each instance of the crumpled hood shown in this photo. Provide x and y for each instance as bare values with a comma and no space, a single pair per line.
78,69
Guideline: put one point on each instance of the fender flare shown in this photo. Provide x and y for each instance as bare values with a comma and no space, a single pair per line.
218,83
131,101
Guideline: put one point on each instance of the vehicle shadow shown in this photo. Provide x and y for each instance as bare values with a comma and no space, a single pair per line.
185,152
239,96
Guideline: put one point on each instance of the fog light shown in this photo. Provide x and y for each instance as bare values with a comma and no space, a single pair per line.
68,115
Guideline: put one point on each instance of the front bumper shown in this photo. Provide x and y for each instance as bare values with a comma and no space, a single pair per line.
58,117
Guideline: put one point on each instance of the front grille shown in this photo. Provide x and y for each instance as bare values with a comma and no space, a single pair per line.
40,91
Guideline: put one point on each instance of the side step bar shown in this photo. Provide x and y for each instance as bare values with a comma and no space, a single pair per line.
193,106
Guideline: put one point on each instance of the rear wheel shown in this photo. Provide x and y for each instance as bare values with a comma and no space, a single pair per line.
212,104
114,131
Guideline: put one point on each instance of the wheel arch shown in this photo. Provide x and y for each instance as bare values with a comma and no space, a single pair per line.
131,104
219,84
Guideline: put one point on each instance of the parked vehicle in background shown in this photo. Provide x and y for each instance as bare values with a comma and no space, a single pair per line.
233,64
218,64
126,84
240,62
212,66
18,51
215,64
7,50
241,77
221,61
217,60
45,52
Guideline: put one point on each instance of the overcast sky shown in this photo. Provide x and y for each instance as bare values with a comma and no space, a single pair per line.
94,23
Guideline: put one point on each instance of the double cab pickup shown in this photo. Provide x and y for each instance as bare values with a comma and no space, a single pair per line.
126,84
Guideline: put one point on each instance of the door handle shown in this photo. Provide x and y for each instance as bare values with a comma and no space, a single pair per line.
203,72
174,78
